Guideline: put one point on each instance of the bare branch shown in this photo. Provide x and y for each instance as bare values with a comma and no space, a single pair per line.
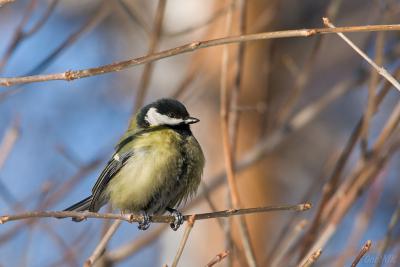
153,45
393,222
4,2
228,147
381,70
189,227
121,65
103,243
218,258
361,254
312,259
155,218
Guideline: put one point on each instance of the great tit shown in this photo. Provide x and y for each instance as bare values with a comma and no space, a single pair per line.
156,166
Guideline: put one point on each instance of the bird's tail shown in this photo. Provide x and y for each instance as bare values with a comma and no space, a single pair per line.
81,205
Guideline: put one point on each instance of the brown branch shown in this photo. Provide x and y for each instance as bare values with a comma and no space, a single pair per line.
213,18
8,141
154,41
228,149
135,15
20,34
130,248
218,258
312,258
96,17
99,250
4,2
372,87
381,70
155,218
361,254
389,233
121,65
188,229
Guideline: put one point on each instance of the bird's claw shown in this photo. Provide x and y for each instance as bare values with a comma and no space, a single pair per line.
178,219
145,223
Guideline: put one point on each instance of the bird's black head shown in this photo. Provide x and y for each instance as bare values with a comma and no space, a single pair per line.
166,111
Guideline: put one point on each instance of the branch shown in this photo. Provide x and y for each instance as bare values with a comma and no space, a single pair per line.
219,257
381,70
4,2
312,259
185,237
361,254
102,245
155,218
118,66
228,149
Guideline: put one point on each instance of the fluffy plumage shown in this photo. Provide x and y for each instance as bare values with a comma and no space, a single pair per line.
157,164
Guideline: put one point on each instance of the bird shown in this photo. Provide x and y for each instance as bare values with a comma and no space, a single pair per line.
156,166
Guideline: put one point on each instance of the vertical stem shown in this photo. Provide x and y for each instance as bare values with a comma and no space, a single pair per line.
154,41
228,153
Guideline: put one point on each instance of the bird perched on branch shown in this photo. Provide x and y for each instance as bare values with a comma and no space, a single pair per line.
156,166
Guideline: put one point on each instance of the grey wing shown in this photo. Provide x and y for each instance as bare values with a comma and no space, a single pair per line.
112,168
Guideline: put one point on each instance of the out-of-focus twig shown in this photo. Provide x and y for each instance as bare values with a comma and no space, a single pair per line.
96,17
218,14
227,147
393,222
188,229
154,41
218,258
118,66
8,141
312,259
379,50
20,34
135,15
103,243
5,2
361,254
381,70
131,248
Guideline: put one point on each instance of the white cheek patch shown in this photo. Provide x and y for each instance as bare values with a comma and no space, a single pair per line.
154,118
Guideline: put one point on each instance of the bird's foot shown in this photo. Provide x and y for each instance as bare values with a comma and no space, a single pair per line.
178,219
145,223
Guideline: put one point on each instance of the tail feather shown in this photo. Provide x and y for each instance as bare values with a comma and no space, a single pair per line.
81,205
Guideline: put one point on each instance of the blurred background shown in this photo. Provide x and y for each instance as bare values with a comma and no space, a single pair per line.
294,104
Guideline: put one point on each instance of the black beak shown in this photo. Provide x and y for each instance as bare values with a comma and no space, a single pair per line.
191,120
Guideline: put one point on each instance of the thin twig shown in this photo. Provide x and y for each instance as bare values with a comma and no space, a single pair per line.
218,258
103,243
135,16
155,218
227,147
361,254
121,65
373,83
153,45
288,242
8,141
188,229
312,258
381,70
131,247
214,17
4,2
97,16
393,222
18,34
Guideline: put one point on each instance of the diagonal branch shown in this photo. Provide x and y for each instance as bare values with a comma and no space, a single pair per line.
121,65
